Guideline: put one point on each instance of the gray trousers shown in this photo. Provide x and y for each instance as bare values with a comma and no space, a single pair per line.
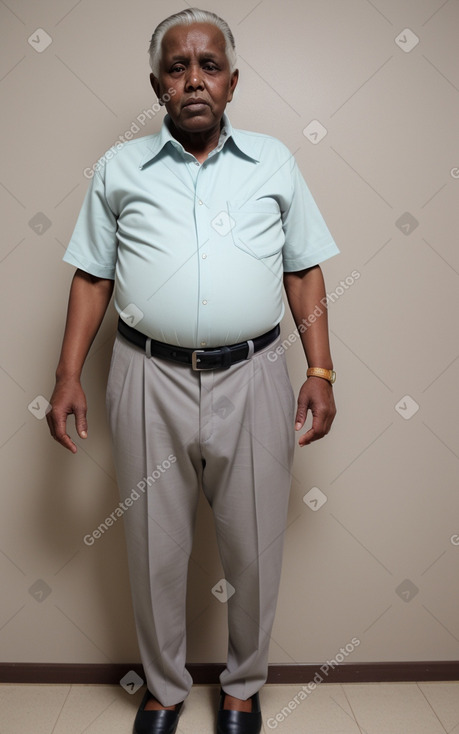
175,431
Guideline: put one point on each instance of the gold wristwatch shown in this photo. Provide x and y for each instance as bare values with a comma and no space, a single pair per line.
329,375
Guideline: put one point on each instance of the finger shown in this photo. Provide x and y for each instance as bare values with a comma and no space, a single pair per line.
301,414
81,423
58,428
318,429
306,438
310,436
67,443
321,425
50,423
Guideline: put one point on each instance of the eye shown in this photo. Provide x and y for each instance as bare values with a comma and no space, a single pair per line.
210,66
176,68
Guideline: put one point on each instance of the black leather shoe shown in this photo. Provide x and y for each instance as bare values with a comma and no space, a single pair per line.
239,722
156,722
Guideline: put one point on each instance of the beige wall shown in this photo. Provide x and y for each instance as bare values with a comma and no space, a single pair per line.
390,477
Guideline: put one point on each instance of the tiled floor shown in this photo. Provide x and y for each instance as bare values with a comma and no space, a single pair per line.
351,708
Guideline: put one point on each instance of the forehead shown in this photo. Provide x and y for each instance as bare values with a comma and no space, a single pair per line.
193,39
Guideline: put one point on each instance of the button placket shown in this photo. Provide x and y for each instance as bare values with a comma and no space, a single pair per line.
201,212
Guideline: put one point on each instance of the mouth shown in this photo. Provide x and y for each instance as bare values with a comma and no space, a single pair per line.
196,103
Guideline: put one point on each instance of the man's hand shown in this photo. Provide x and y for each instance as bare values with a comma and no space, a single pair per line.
68,398
306,295
88,301
315,395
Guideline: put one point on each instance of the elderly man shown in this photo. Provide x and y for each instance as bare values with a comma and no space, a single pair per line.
197,228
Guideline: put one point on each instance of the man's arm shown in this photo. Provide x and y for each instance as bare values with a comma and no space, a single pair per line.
305,290
88,301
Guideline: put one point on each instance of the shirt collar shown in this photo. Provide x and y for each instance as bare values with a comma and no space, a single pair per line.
158,142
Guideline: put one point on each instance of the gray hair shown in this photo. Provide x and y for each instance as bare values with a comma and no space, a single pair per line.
188,17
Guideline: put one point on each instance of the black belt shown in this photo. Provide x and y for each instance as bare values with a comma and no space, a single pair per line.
199,359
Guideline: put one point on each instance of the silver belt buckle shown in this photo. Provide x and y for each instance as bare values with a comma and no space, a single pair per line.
195,359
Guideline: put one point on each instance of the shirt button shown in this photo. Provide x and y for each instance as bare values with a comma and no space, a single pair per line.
204,303
204,256
203,344
200,202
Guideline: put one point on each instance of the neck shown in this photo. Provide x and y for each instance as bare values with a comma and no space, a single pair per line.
199,144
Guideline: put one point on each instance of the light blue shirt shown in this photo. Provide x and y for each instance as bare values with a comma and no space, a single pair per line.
198,251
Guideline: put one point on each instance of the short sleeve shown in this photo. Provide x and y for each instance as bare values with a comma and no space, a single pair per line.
308,241
93,245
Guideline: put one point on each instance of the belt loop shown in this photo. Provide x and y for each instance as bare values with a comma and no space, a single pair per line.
148,348
251,349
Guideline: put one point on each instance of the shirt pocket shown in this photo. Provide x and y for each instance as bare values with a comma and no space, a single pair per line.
256,227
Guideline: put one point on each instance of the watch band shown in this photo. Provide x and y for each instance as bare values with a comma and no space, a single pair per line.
329,375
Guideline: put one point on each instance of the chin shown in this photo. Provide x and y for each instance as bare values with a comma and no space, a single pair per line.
198,124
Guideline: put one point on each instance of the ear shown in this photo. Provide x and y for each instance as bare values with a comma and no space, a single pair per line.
233,84
156,85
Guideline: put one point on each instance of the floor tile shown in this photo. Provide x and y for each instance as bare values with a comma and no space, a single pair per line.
443,696
351,708
98,709
325,710
398,708
31,708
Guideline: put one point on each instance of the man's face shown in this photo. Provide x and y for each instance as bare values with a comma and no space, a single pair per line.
195,65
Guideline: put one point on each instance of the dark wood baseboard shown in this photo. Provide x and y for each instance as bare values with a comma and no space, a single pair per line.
208,673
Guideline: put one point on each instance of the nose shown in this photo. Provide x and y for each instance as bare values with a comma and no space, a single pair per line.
194,78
